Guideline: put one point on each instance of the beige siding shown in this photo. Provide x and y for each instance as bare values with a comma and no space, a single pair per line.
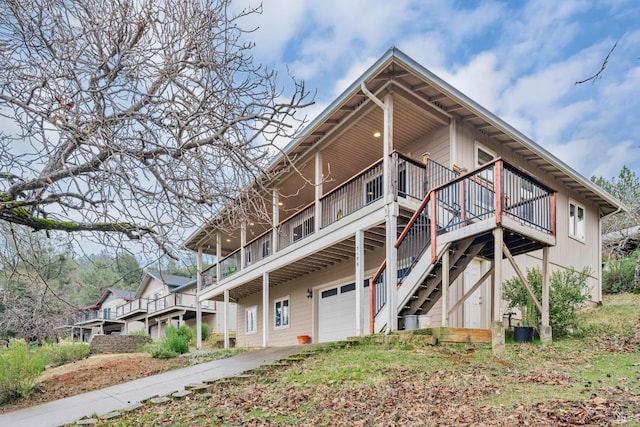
302,309
152,287
436,143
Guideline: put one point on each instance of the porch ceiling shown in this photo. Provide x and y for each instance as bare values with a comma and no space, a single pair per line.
340,252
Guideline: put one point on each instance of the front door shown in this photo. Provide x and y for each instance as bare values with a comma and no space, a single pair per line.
473,304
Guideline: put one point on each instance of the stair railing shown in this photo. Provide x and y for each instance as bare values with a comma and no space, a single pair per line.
377,294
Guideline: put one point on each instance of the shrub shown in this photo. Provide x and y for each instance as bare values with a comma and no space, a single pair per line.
19,369
567,292
206,331
175,342
59,354
138,333
618,275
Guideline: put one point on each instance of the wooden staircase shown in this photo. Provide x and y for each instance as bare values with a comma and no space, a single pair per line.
457,219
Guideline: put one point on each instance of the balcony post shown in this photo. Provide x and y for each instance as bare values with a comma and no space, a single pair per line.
198,303
226,318
391,216
497,325
319,189
218,257
275,219
265,309
359,280
243,243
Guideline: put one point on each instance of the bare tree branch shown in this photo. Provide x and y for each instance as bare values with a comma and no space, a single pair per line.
136,118
602,67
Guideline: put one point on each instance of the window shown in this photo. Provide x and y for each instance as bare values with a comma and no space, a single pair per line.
576,220
106,313
251,320
281,313
266,251
373,189
482,188
483,156
402,179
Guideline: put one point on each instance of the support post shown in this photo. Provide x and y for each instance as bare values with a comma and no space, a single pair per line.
391,216
546,335
445,288
226,318
198,303
497,325
319,180
359,281
265,309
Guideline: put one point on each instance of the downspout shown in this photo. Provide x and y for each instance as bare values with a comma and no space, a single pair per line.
371,96
617,211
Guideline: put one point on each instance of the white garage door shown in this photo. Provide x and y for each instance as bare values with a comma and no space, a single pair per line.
337,312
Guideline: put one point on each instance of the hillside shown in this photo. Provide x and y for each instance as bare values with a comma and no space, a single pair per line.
593,379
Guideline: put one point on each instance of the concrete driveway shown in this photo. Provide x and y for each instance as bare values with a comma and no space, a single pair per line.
120,396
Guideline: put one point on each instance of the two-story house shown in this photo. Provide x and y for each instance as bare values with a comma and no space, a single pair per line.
408,202
100,318
166,299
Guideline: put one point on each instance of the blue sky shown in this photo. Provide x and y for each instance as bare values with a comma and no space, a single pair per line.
519,59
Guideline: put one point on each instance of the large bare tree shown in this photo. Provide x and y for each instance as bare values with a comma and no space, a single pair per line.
132,117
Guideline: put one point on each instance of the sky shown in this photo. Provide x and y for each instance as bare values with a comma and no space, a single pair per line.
519,59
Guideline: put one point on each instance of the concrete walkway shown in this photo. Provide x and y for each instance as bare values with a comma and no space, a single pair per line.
120,396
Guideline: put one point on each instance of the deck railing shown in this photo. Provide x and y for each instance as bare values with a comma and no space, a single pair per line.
230,264
362,189
410,181
86,316
135,305
259,248
171,300
296,227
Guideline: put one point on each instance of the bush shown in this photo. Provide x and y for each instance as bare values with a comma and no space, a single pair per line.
618,275
19,369
206,331
175,342
138,333
59,354
567,292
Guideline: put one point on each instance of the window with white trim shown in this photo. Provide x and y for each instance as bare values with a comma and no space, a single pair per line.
576,220
281,313
251,320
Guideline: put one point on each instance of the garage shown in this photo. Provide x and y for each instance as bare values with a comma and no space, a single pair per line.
337,312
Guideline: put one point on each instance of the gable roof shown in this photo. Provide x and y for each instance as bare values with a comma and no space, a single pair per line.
173,281
120,293
434,98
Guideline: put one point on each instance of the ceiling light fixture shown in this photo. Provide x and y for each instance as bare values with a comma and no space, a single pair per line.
377,134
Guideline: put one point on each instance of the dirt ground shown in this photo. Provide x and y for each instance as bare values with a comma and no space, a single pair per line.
95,372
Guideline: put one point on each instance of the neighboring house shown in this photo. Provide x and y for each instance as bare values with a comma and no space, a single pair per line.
416,186
100,318
165,299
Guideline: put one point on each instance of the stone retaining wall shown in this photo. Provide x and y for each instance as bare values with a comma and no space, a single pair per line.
117,343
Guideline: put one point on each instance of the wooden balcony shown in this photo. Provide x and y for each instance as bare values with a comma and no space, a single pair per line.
340,204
